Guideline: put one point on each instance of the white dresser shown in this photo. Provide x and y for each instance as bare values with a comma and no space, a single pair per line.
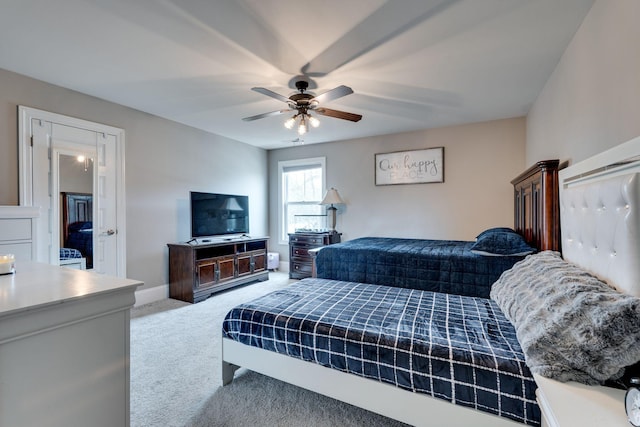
18,231
64,347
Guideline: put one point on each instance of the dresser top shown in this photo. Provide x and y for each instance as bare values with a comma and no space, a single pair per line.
35,285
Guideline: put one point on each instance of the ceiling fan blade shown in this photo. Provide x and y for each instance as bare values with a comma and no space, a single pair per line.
338,114
383,25
271,93
334,93
263,115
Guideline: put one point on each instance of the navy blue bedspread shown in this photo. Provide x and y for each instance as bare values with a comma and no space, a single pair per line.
457,348
432,265
81,238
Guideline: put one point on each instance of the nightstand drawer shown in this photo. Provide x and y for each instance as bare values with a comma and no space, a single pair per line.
299,270
300,251
307,239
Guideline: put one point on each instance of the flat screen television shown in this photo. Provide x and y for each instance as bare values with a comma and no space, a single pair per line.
215,214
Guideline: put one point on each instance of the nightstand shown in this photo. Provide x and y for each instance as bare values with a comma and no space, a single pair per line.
572,404
300,261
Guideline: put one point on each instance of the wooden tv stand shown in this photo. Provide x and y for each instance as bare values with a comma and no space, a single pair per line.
197,271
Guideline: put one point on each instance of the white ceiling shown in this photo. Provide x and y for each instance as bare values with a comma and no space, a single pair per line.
413,64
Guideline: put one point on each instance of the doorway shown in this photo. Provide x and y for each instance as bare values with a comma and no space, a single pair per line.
51,144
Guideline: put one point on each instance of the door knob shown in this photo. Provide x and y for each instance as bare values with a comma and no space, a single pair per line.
109,232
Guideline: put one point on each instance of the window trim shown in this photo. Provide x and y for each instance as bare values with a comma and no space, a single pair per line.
283,239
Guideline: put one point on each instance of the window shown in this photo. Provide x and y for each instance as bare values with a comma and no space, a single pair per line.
302,184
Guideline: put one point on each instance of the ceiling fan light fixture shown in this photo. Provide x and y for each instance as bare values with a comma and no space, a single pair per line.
314,121
303,103
302,127
290,122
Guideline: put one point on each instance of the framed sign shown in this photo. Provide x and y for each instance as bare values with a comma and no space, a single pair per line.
410,167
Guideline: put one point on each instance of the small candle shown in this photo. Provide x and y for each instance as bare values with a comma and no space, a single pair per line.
7,263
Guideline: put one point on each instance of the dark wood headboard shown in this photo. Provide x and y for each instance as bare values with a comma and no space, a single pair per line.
537,205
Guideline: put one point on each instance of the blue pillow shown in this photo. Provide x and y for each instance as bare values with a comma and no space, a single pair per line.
501,243
495,230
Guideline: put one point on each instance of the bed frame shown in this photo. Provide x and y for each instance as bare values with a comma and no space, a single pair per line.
536,205
601,233
422,410
601,226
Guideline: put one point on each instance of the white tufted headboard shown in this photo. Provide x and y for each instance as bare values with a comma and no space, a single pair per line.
600,215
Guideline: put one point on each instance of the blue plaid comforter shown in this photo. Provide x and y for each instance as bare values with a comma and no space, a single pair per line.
432,265
457,348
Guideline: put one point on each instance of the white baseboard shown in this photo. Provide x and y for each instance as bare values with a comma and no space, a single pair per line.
145,296
283,266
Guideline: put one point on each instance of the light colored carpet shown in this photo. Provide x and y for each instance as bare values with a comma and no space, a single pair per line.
175,373
254,400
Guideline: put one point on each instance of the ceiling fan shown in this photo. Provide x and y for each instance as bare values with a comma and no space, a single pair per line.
304,103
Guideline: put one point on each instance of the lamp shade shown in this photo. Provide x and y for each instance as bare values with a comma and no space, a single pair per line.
332,198
231,204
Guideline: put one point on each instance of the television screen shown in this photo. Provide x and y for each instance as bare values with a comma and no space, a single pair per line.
217,214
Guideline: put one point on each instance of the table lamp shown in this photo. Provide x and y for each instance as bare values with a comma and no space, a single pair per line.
332,198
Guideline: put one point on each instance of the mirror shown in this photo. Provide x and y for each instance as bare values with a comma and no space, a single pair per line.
75,188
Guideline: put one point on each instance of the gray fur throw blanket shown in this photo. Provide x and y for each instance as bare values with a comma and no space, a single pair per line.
571,325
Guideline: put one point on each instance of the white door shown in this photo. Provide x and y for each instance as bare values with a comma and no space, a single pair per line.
103,145
105,222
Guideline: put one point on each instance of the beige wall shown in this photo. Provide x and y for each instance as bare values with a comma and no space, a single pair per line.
592,100
480,161
164,161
